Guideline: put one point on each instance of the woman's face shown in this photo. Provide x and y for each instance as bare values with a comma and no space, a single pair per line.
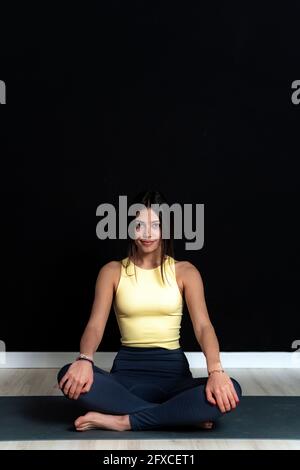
147,230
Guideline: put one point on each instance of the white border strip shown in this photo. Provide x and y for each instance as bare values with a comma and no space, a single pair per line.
31,360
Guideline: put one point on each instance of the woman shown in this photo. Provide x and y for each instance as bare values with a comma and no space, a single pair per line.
150,385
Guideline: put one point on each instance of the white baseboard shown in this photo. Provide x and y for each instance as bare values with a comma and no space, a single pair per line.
13,360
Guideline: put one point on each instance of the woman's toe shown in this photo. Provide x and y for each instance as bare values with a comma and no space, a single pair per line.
208,424
79,421
82,428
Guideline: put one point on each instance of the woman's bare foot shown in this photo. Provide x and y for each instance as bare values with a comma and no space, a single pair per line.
205,425
95,420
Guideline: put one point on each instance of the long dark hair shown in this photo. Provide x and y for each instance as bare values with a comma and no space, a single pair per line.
167,246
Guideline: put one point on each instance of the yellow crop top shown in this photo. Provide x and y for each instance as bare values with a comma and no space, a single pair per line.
148,311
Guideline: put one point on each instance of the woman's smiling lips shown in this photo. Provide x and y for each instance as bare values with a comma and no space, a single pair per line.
147,242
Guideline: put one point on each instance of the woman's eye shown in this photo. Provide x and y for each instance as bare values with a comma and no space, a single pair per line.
139,225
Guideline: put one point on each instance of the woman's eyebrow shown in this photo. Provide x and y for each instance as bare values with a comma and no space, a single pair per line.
137,220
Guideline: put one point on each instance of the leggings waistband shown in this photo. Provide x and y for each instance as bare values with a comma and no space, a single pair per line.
151,361
151,353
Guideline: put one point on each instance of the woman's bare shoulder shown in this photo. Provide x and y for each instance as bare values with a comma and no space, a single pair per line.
186,271
112,265
184,265
111,272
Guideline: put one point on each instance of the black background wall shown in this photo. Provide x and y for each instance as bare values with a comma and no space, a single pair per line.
107,98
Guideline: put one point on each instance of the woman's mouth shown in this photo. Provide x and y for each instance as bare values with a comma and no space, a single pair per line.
147,242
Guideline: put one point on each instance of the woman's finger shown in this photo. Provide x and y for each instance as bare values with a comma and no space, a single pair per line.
210,397
219,399
67,386
78,391
226,401
72,390
234,393
87,386
63,380
231,399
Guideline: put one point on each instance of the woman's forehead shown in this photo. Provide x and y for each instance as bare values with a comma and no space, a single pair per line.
147,213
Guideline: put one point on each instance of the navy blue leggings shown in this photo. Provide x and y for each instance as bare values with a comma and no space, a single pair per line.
154,386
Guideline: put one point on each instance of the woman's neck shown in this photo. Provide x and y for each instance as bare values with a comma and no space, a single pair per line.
148,260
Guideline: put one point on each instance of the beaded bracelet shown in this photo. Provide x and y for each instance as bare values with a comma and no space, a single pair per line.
81,358
215,370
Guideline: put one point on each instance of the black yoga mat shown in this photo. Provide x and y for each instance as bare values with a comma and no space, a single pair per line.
45,417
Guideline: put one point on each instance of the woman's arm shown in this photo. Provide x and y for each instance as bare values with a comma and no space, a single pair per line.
79,376
219,388
104,292
203,328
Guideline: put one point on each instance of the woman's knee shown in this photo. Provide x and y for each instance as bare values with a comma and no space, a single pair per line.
62,372
237,387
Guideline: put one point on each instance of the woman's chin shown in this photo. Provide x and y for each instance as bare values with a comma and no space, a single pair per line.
148,248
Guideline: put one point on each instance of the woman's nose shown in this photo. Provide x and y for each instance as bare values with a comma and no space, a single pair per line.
147,232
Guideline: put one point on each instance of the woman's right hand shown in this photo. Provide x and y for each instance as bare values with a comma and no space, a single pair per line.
78,379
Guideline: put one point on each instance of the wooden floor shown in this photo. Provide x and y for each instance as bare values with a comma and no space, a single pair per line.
285,382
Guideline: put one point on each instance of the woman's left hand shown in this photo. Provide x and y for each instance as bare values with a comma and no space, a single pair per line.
220,390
